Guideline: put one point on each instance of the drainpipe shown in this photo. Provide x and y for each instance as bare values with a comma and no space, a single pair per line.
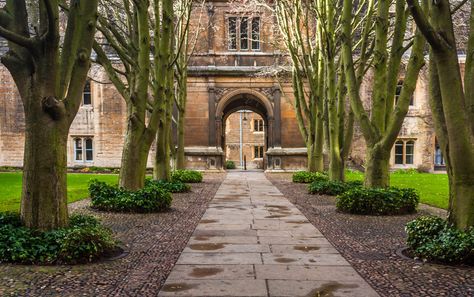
241,142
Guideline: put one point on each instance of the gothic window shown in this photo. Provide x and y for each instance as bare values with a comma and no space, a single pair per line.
243,33
258,125
398,92
438,158
89,150
404,152
78,154
258,152
232,33
83,149
86,94
256,33
409,152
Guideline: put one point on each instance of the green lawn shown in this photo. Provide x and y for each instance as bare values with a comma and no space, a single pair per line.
433,188
10,188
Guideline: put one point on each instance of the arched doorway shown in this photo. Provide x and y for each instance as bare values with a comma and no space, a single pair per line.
244,100
245,142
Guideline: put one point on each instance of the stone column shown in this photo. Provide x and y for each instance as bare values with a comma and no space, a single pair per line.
277,117
212,117
210,32
270,132
218,131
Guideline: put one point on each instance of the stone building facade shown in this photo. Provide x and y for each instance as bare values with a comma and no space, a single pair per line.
232,51
245,139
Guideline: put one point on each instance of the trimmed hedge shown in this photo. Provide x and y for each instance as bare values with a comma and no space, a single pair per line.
84,240
386,201
186,176
230,165
434,239
305,177
332,188
172,187
152,198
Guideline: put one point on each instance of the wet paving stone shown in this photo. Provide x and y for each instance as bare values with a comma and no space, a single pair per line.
370,244
259,244
153,242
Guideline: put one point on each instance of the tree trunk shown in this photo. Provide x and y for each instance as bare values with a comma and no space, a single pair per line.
377,167
315,156
462,202
336,171
44,192
134,160
336,165
161,169
180,157
167,144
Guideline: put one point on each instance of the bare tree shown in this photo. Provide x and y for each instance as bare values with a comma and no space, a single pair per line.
185,39
125,35
381,128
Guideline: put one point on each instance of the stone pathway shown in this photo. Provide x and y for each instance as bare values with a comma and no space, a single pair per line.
253,242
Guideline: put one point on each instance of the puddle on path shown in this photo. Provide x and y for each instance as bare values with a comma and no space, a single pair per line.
207,246
208,221
276,216
178,287
328,290
306,248
205,272
285,260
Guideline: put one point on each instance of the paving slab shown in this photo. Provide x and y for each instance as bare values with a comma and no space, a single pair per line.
208,288
299,272
219,272
253,242
303,249
224,239
297,288
304,259
226,248
220,258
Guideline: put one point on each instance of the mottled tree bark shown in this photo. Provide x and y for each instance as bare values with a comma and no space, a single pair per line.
451,104
164,90
50,83
132,45
381,128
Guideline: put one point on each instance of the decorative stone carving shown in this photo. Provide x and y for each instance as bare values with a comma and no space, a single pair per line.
221,92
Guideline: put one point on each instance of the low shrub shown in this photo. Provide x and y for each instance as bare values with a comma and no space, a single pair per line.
95,169
386,201
306,177
84,240
333,188
230,165
171,186
406,171
186,176
434,239
10,218
152,198
10,169
85,244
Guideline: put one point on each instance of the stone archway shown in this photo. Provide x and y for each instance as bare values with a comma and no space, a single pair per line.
244,99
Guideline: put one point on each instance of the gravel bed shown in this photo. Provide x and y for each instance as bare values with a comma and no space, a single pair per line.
153,243
370,244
